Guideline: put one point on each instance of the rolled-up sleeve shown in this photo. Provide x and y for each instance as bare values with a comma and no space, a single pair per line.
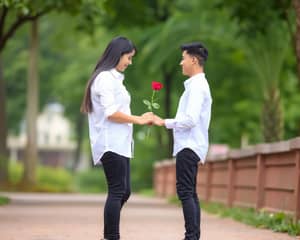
170,123
104,88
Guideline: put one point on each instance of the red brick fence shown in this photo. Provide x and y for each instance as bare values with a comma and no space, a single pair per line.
260,176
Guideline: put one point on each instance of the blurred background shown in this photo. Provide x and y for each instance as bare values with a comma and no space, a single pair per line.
49,48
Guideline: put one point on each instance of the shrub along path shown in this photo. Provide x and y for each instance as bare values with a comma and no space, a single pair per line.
79,217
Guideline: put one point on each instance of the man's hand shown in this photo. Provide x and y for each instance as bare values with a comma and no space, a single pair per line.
158,121
147,118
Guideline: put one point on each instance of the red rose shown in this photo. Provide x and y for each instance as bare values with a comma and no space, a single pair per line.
156,86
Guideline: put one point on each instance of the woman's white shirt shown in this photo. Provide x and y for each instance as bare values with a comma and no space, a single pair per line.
109,95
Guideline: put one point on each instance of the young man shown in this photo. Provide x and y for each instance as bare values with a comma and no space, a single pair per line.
190,130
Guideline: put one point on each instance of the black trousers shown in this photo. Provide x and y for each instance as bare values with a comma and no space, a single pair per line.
186,180
117,172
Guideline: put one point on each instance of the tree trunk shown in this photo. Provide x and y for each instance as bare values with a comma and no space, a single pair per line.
272,117
79,138
168,85
296,37
296,4
31,154
3,131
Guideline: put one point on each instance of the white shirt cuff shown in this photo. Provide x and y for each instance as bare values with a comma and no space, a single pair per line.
170,123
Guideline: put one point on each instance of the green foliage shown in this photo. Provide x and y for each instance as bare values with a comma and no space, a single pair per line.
174,200
27,7
60,180
291,102
144,158
266,56
48,179
19,5
54,179
278,222
15,173
4,200
118,14
15,73
147,192
249,15
3,164
91,181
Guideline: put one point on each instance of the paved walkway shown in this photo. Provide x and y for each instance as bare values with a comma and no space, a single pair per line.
79,217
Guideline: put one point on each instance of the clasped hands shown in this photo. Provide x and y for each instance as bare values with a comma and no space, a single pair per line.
151,119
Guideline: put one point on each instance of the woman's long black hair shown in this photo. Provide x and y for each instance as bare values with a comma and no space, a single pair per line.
109,59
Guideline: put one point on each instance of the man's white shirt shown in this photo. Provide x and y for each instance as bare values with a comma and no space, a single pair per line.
191,123
109,95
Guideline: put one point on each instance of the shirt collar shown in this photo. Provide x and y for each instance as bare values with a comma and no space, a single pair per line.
195,77
117,74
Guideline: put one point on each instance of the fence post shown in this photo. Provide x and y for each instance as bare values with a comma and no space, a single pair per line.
208,182
297,187
165,175
231,173
260,182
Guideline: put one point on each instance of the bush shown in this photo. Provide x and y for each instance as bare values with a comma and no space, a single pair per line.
49,179
91,181
54,179
15,172
3,200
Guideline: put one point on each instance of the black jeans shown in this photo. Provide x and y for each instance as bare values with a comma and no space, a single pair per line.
117,172
186,180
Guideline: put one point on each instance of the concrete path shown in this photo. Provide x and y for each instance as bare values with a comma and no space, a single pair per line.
79,217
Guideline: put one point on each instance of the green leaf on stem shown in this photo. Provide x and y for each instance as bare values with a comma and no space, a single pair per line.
155,105
146,102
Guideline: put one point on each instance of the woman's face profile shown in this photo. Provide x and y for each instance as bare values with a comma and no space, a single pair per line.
125,61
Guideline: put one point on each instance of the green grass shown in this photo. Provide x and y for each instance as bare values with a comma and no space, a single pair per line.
4,200
147,192
278,222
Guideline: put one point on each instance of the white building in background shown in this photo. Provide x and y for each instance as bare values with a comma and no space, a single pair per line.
54,138
54,130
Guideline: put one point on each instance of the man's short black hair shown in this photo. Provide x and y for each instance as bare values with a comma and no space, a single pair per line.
197,50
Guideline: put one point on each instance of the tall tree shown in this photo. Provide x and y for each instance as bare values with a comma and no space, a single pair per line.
14,14
31,153
8,25
3,132
266,55
296,37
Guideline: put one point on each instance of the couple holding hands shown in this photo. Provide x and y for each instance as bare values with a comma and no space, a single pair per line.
107,103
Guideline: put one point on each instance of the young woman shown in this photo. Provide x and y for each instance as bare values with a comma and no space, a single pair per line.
107,103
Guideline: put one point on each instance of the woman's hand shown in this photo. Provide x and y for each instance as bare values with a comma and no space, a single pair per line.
146,118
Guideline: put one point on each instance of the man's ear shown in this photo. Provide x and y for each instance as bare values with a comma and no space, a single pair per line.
194,60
